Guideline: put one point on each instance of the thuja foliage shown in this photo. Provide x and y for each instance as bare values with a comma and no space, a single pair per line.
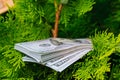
97,62
105,15
114,17
33,20
18,26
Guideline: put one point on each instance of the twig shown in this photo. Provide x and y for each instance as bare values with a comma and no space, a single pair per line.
55,30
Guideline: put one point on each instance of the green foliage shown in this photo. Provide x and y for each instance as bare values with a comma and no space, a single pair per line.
19,25
97,62
75,8
33,20
113,21
83,6
105,14
66,14
115,66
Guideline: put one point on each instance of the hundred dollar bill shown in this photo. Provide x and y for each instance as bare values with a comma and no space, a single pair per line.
61,62
43,50
66,61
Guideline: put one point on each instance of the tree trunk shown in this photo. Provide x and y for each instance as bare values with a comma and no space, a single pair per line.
57,15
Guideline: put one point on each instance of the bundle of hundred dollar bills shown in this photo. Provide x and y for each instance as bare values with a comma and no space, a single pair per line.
56,53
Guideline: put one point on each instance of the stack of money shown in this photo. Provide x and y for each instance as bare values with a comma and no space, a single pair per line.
56,53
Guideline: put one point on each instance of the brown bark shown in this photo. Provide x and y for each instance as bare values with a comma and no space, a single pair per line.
57,15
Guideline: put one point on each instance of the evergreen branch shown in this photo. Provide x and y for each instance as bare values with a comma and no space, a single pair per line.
83,6
66,14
